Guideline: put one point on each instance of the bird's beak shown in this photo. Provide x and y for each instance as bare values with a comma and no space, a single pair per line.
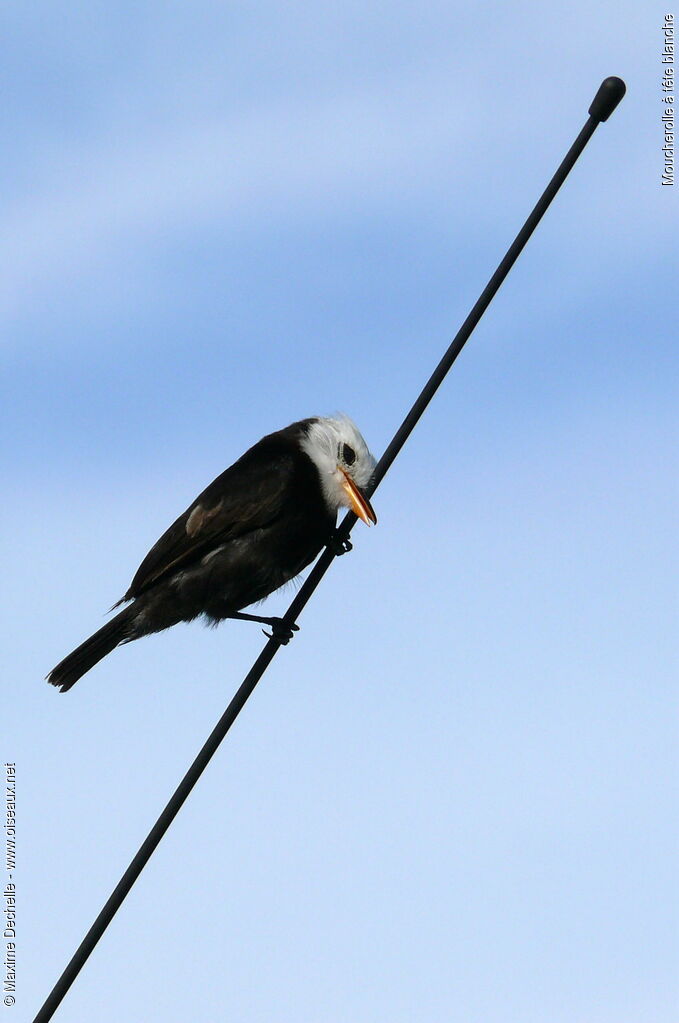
358,502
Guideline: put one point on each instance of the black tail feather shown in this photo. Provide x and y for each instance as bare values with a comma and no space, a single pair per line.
84,657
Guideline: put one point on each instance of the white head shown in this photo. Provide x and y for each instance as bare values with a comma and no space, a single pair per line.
344,464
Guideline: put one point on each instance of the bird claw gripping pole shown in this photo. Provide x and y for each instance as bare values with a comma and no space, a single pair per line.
606,100
281,632
339,545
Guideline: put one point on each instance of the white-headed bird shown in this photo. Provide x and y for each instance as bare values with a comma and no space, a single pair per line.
253,529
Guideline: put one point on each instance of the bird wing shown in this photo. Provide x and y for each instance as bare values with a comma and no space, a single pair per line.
247,496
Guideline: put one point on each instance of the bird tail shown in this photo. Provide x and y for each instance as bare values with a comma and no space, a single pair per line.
89,653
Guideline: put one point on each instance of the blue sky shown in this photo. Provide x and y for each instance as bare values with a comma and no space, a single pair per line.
453,796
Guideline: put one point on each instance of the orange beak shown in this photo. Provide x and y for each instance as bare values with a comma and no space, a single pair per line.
358,502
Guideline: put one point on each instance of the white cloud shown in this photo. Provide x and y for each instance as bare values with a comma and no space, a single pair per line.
427,134
279,157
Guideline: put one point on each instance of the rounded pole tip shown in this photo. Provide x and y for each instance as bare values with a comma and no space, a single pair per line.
607,98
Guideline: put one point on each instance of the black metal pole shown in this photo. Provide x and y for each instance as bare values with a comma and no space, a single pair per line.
607,98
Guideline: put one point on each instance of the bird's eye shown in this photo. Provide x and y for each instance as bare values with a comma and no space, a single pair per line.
348,455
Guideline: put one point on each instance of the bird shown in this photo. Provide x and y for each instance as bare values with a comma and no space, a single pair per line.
253,529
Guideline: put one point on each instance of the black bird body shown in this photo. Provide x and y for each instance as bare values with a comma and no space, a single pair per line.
254,528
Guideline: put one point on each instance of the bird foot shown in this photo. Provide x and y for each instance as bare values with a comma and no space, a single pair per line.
280,630
338,546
